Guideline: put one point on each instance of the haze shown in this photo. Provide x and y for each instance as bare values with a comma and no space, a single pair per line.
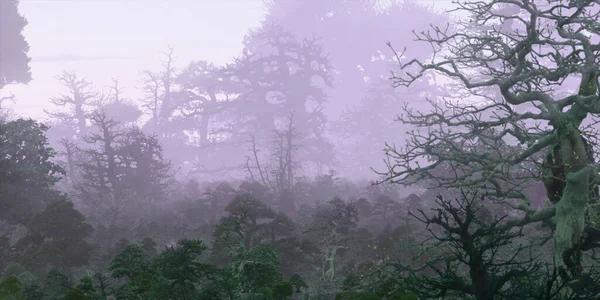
299,149
77,36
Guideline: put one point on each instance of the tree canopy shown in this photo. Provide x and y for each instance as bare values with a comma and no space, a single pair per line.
14,62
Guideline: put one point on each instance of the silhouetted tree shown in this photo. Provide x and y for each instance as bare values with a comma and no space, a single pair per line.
159,88
361,106
14,62
282,74
122,172
99,187
56,237
207,92
475,254
68,158
80,99
121,109
204,100
27,173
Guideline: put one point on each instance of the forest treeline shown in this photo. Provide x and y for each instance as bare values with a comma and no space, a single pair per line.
228,240
212,241
232,182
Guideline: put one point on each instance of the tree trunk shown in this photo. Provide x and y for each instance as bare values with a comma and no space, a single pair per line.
570,221
570,210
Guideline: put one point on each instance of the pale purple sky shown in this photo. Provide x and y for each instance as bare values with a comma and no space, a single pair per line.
135,31
118,38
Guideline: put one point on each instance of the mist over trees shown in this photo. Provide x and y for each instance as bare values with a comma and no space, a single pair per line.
14,61
14,64
352,150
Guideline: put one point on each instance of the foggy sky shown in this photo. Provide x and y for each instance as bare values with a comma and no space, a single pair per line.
101,39
111,38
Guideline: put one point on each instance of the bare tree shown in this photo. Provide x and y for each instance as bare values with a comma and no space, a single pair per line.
206,93
261,174
550,45
119,107
158,87
279,173
286,164
80,98
69,153
100,187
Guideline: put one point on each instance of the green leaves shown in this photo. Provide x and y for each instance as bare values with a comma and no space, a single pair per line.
130,262
257,266
298,282
180,266
10,288
57,237
249,222
75,294
27,175
282,290
177,272
133,263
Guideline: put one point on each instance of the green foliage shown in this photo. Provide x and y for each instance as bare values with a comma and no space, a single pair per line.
298,282
57,237
149,245
130,262
381,286
10,288
394,288
75,294
357,296
33,291
88,288
283,290
130,291
351,282
134,264
86,284
260,292
179,265
259,246
257,266
121,244
27,174
227,283
209,293
56,285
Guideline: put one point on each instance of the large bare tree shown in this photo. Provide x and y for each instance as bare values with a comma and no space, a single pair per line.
548,46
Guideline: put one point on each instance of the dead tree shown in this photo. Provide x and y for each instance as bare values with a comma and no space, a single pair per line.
285,164
528,64
79,100
158,88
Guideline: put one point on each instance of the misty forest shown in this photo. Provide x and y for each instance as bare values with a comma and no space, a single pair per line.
352,150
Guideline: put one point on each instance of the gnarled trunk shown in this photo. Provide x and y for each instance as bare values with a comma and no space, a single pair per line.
570,210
